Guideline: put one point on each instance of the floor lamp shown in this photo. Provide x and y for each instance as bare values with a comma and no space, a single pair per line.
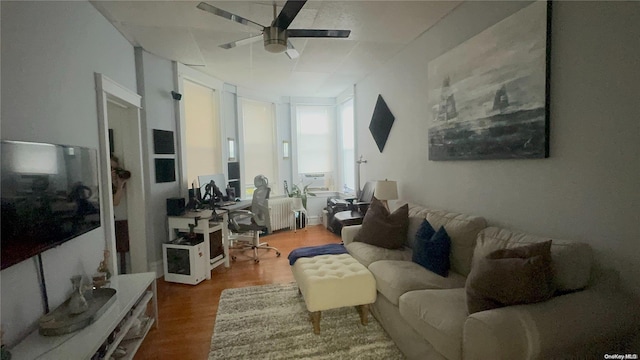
359,162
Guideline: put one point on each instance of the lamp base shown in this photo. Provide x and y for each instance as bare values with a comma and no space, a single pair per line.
386,205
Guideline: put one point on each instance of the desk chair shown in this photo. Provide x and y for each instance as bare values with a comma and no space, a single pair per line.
298,208
357,209
242,222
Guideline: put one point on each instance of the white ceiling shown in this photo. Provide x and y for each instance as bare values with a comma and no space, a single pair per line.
178,31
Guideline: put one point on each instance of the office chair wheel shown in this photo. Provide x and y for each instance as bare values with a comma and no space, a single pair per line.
277,253
233,258
256,260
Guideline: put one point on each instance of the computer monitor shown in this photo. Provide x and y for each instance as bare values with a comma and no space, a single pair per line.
204,180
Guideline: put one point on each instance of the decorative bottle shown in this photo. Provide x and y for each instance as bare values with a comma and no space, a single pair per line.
77,303
103,267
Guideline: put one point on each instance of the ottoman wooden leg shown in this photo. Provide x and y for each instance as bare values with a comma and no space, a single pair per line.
363,310
315,320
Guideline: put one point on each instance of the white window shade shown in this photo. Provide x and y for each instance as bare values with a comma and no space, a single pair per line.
202,127
315,139
260,152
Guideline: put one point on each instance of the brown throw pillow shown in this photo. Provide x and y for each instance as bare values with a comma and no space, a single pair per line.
514,276
382,229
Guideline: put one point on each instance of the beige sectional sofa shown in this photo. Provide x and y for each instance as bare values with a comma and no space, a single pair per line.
426,314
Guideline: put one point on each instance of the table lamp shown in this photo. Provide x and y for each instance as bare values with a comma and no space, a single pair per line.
386,190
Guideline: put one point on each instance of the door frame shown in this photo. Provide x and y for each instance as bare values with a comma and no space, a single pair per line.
108,90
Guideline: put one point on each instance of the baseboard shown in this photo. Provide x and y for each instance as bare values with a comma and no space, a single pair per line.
314,220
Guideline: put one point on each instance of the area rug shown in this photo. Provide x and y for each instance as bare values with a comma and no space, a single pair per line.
272,322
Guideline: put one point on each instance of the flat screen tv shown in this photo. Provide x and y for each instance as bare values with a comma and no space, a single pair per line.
49,196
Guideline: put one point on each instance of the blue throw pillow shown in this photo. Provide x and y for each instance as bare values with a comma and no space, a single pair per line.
431,249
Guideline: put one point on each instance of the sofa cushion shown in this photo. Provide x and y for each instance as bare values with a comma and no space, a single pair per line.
367,254
571,260
462,230
396,277
579,325
432,248
412,230
437,315
384,229
417,213
513,276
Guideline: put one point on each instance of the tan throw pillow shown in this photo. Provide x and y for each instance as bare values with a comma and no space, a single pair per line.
514,276
382,229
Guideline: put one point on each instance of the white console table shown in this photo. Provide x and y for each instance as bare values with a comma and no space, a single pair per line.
133,293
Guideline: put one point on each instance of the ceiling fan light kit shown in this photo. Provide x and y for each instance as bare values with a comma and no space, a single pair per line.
276,36
275,39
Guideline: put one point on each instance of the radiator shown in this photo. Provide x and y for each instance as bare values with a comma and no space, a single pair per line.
280,213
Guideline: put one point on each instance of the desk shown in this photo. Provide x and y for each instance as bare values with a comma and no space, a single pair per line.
240,205
205,224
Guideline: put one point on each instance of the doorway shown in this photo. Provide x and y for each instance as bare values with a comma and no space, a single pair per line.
119,110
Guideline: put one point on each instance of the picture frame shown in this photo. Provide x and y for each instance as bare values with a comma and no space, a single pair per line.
489,96
163,142
165,170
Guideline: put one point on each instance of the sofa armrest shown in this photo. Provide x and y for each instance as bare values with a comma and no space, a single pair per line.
349,232
583,324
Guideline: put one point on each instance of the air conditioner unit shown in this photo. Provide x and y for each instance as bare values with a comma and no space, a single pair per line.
318,181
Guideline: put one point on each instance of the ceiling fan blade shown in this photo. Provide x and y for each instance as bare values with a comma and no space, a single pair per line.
313,33
227,15
289,11
291,51
241,42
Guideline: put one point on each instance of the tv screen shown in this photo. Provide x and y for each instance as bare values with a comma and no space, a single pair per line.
49,195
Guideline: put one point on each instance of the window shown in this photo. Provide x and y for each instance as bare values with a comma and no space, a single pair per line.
347,146
316,138
259,144
202,131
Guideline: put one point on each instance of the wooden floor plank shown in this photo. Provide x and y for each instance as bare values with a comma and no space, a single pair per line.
187,313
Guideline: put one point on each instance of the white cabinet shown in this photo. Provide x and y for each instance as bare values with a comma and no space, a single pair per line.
135,294
205,223
184,263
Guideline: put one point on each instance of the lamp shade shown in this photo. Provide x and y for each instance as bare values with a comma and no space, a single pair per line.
386,190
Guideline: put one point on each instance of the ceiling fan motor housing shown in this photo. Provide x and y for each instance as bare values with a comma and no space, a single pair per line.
275,39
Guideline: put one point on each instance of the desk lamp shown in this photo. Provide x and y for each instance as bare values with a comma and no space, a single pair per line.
386,190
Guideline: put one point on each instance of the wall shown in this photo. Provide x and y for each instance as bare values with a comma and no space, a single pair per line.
50,51
155,83
283,123
587,190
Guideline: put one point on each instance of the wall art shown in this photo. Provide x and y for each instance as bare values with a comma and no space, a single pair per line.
489,96
381,123
163,142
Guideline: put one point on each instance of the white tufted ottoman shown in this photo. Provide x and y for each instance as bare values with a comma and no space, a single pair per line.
333,281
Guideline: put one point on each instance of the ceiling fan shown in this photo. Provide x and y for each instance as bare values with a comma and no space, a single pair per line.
276,36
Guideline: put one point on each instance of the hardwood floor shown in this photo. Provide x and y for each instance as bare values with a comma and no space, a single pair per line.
187,313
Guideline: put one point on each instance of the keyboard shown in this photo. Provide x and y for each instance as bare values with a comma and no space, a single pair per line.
225,203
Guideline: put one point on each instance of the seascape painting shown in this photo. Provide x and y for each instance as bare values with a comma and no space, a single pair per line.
488,96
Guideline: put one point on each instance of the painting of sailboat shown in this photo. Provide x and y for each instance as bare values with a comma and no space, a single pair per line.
489,95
